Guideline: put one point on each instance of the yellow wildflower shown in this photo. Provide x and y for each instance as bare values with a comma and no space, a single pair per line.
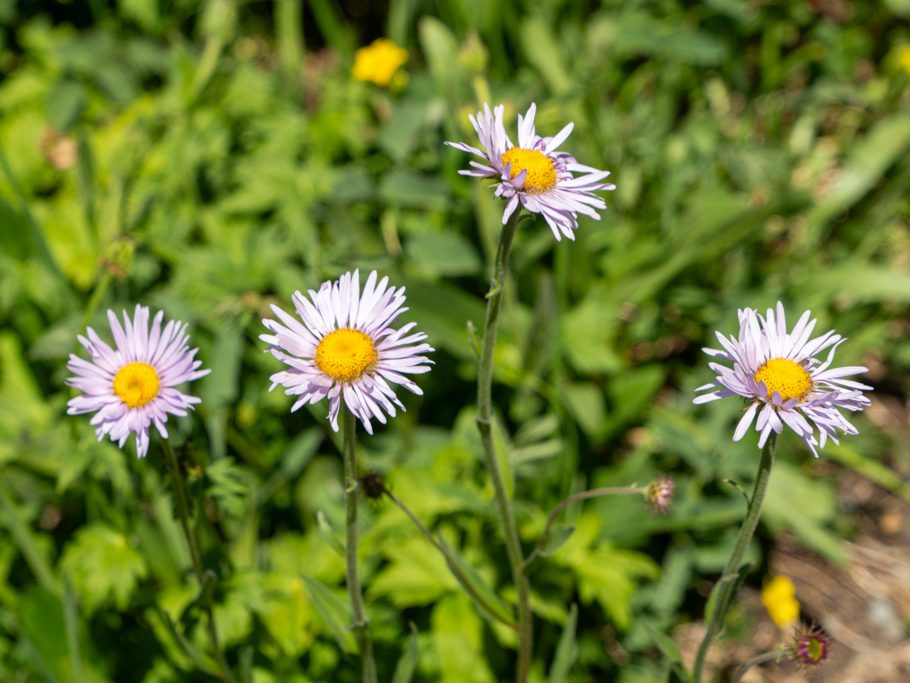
379,61
779,598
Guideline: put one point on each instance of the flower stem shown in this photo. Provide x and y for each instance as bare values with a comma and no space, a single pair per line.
352,574
723,591
772,656
201,575
575,498
460,575
484,425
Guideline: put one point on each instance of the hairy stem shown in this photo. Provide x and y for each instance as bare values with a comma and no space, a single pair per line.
722,594
484,425
352,573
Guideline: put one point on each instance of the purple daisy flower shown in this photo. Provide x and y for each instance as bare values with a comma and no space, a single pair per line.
778,372
533,173
346,348
132,386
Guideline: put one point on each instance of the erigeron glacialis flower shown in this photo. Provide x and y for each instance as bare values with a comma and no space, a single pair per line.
533,173
344,348
134,384
778,373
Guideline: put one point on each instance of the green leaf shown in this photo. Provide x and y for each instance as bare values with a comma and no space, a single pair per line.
40,614
443,253
286,613
409,189
566,650
543,50
413,576
856,282
442,310
335,612
485,599
557,537
407,665
817,509
65,104
670,651
457,636
631,393
588,407
875,471
869,158
636,33
440,49
103,567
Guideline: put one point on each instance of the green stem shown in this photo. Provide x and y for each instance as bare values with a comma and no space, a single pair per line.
773,656
575,498
71,625
463,580
352,573
723,591
484,425
188,531
23,538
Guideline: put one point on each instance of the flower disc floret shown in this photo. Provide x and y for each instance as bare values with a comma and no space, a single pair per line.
342,346
783,376
539,169
345,354
534,174
136,384
810,647
133,385
785,382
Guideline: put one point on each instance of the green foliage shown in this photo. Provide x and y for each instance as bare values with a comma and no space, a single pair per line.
213,158
103,567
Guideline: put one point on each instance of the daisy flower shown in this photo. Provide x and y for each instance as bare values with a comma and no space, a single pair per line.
778,373
133,385
532,173
345,348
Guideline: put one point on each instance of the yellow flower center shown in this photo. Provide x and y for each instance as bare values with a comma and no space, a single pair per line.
541,171
815,649
136,384
786,377
345,354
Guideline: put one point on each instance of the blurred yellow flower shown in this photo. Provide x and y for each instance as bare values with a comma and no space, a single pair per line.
903,58
379,61
779,598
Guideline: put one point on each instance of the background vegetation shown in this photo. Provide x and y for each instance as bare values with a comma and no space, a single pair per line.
210,158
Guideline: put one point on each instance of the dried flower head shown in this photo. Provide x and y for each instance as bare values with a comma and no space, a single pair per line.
660,493
373,485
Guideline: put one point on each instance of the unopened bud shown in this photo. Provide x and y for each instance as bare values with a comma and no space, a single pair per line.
373,485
